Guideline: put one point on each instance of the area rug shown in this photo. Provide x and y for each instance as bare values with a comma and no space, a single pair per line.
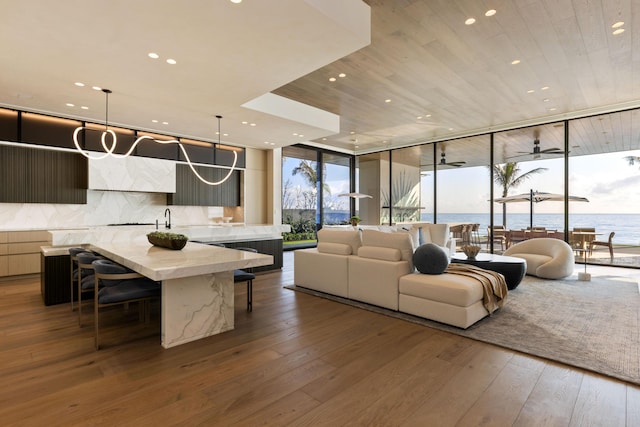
591,325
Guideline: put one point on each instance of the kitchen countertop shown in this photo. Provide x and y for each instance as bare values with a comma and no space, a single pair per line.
137,233
194,259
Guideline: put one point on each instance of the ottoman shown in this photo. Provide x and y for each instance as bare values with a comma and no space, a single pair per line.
447,298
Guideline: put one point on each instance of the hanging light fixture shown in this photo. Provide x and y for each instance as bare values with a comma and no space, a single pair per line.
109,149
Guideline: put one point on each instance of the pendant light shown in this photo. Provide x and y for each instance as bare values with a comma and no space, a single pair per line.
109,149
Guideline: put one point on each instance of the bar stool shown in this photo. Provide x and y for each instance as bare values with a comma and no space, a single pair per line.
85,277
74,268
116,284
246,276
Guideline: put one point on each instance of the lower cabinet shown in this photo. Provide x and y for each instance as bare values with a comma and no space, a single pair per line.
20,251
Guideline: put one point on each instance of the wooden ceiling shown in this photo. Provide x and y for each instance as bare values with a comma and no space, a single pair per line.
446,80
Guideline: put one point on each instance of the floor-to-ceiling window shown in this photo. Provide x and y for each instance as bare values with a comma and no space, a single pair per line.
299,192
463,183
604,166
336,182
312,183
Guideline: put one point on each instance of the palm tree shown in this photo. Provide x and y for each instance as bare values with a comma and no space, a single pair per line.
508,176
310,174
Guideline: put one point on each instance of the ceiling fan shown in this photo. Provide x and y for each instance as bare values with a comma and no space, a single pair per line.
537,151
443,161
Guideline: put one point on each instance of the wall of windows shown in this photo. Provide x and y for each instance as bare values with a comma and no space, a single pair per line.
594,161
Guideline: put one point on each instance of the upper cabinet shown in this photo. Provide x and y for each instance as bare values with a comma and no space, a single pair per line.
31,175
133,174
190,191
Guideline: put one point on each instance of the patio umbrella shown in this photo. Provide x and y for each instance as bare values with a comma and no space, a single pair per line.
355,195
537,197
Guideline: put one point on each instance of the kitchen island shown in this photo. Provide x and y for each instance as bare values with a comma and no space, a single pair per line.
197,284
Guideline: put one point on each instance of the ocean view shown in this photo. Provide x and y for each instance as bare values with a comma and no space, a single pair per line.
626,226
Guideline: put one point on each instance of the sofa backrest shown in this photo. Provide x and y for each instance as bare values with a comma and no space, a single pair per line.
399,241
342,242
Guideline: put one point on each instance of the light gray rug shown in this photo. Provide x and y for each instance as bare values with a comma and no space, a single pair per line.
591,325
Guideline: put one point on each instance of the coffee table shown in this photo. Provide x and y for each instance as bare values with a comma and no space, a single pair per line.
512,268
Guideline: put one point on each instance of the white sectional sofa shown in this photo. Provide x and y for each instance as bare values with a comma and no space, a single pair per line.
376,267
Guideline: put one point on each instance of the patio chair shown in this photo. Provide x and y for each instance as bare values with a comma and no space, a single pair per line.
515,236
497,235
608,243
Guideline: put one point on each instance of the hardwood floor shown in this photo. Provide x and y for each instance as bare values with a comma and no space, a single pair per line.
295,360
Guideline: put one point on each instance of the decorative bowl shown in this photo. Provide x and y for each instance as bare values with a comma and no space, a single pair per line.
167,240
471,251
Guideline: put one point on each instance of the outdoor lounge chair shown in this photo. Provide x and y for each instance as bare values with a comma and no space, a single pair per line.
608,243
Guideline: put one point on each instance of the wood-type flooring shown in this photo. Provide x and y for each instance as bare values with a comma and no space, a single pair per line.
295,360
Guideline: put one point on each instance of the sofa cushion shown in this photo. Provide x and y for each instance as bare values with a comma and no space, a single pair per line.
334,248
461,291
376,252
414,233
400,241
430,259
348,237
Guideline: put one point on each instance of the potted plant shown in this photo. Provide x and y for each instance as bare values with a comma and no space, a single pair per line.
167,240
355,220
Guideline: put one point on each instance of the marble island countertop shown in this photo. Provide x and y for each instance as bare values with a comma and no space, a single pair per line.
193,260
137,233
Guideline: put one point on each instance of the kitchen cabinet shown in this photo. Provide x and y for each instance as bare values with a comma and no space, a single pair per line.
20,251
190,191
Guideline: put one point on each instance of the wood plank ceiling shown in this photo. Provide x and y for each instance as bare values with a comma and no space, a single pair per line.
444,79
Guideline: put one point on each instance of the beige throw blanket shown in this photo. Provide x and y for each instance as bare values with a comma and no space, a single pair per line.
493,284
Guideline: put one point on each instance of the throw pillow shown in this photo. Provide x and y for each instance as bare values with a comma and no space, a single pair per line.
430,259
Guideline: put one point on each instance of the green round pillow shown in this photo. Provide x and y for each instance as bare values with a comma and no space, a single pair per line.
430,259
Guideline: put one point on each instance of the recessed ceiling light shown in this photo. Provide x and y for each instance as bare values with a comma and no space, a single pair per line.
618,31
490,12
154,121
236,1
552,109
515,62
245,123
544,88
470,21
341,75
419,118
68,104
450,129
225,134
153,55
266,142
295,134
530,91
272,143
352,133
427,115
332,79
545,100
252,124
387,101
165,123
79,84
301,136
96,88
84,107
171,61
617,24
324,139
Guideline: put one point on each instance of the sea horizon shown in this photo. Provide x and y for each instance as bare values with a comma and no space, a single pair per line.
625,225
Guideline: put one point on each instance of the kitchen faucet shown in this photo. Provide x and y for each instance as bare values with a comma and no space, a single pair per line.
167,224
